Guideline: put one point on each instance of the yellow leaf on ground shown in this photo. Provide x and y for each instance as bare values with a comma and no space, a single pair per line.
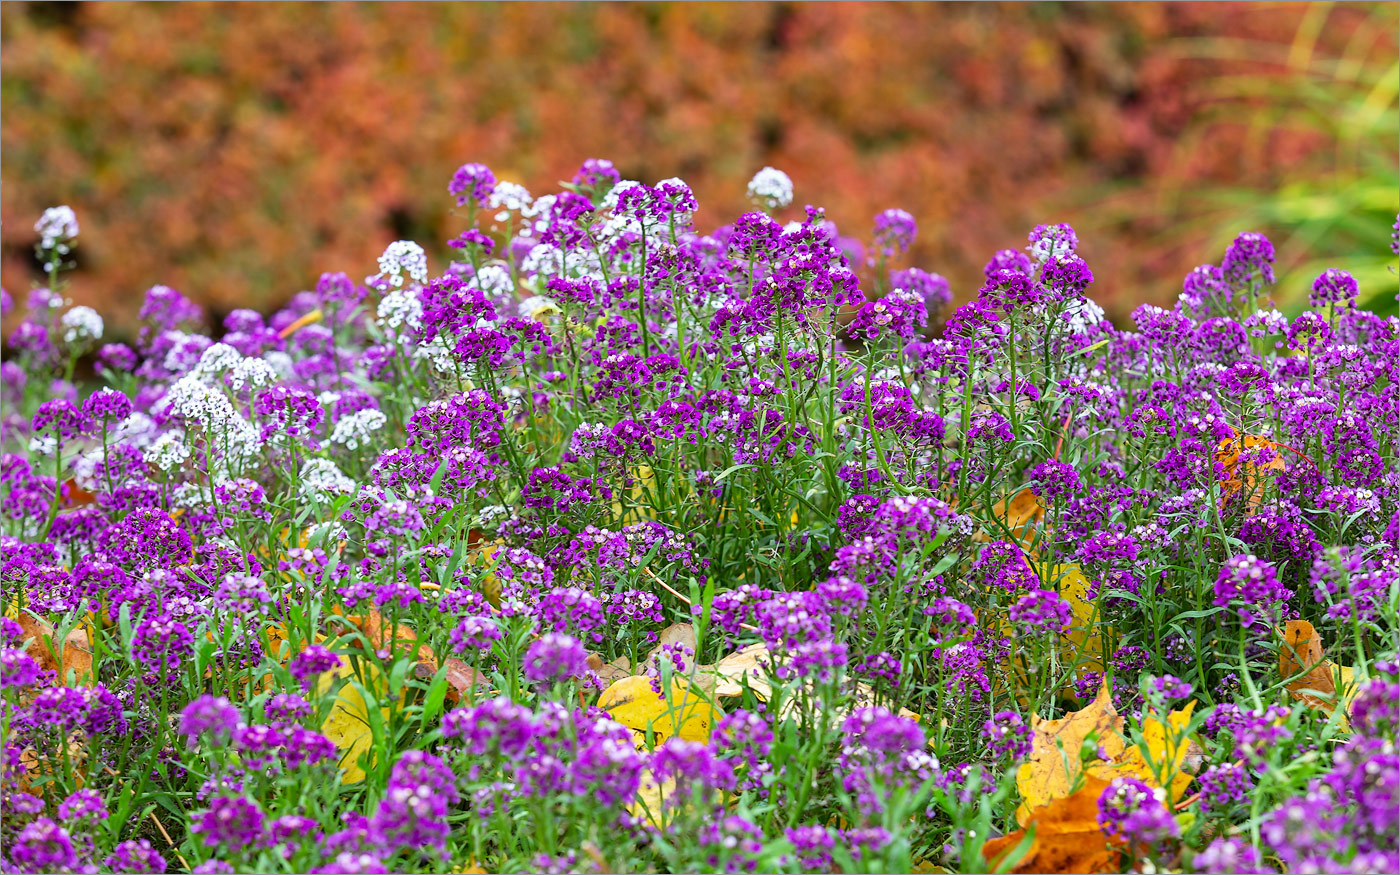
1067,836
1167,752
632,702
1049,774
1084,636
348,724
651,797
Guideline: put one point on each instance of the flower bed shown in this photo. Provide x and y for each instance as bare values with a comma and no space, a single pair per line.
613,546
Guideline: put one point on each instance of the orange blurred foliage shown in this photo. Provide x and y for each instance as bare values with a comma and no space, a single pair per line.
236,150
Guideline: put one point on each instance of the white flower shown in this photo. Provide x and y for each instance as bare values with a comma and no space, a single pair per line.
322,481
771,187
57,227
251,372
400,309
138,429
81,323
494,279
216,359
403,256
168,451
355,429
508,196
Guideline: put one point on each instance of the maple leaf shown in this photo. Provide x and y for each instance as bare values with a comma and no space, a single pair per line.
1067,837
1054,767
1049,774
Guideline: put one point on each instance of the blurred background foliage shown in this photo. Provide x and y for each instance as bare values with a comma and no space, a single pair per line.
236,150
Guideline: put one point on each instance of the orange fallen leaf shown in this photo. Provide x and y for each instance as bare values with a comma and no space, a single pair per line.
1067,836
1311,677
76,652
1245,475
75,495
403,642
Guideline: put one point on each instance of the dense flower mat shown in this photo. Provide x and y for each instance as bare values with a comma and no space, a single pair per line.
613,546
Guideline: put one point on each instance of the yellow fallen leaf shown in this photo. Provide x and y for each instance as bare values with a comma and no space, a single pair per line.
1167,752
1047,774
651,797
348,723
1084,636
632,702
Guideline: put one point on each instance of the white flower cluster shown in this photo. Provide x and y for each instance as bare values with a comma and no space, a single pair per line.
43,444
355,429
400,310
771,187
57,227
322,481
233,441
217,359
403,256
137,429
168,451
494,281
81,323
252,373
508,197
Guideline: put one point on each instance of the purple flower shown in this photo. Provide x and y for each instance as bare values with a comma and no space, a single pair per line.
474,633
1048,242
83,804
1041,610
1333,286
315,659
1133,811
472,184
1007,734
1223,787
17,668
555,657
135,857
233,822
44,846
1228,856
162,644
894,232
214,715
1249,259
1252,585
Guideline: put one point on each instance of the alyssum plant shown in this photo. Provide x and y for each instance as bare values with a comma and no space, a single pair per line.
615,546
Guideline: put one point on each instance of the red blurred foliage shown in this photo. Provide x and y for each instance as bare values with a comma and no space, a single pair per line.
236,150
